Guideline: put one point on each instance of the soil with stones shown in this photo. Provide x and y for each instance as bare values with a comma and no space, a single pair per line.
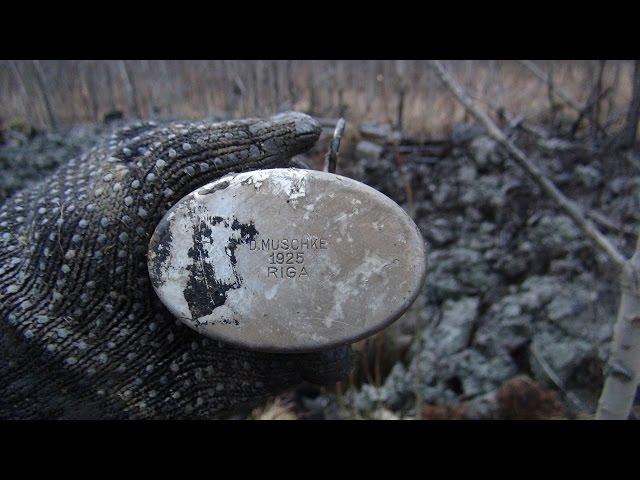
517,304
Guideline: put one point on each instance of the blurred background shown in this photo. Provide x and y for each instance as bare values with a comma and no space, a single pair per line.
516,314
44,94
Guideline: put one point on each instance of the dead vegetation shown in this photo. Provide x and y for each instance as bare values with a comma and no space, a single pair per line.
402,93
520,398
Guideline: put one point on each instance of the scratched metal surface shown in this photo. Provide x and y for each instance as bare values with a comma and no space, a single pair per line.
287,260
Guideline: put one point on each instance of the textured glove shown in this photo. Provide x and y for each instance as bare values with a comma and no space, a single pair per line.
82,333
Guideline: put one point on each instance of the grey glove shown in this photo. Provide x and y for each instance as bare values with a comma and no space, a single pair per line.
82,333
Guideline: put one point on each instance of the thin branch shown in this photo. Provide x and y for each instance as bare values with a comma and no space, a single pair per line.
291,86
551,375
599,93
331,158
608,224
589,106
569,207
628,135
401,90
546,78
592,105
130,86
514,122
42,85
24,95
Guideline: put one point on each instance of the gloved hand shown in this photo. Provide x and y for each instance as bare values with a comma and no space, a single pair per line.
82,333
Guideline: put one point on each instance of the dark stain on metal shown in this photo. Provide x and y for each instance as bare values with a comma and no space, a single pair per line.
247,233
204,292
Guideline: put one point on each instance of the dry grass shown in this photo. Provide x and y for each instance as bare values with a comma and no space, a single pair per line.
443,412
278,409
83,91
520,398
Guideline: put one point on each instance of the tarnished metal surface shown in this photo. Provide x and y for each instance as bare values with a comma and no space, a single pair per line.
287,260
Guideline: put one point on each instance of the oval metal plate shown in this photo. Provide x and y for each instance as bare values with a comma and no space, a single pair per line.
287,260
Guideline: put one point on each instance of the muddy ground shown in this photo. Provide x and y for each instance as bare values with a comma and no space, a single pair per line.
516,314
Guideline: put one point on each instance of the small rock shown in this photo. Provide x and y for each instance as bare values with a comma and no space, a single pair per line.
440,232
376,131
453,333
467,174
483,150
563,355
369,150
552,145
384,414
466,132
458,272
511,266
587,176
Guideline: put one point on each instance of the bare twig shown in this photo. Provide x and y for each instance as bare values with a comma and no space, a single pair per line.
569,207
589,106
592,105
628,135
291,86
401,89
23,91
553,106
130,86
238,83
514,122
275,80
42,85
551,375
598,94
86,74
605,222
331,158
313,91
110,91
257,77
546,78
405,179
